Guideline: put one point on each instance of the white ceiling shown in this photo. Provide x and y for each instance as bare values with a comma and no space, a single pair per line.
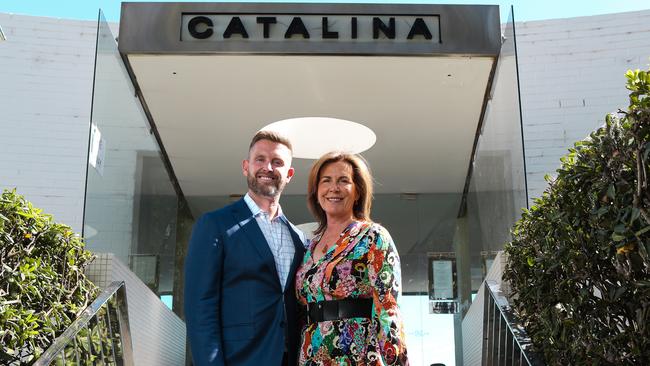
424,111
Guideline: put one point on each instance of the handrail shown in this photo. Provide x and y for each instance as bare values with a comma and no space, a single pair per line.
114,339
505,339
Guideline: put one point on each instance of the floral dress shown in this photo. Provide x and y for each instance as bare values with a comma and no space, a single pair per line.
363,264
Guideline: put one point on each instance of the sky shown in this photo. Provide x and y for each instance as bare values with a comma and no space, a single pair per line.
525,10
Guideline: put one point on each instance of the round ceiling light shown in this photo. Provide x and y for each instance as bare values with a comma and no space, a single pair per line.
312,137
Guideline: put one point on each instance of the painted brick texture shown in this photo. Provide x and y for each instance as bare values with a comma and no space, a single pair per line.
572,74
46,70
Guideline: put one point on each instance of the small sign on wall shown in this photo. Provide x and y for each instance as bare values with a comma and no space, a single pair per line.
443,291
442,276
97,149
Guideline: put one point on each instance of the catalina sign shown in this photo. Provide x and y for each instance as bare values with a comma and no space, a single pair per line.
310,27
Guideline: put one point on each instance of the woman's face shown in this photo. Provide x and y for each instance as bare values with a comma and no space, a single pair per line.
336,190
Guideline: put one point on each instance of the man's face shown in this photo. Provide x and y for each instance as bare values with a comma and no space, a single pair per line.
268,168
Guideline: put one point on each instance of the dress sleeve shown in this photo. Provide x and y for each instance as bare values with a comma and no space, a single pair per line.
385,276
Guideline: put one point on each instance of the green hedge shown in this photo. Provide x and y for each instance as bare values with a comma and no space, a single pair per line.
42,285
578,262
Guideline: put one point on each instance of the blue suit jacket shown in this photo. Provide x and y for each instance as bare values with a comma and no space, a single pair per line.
235,310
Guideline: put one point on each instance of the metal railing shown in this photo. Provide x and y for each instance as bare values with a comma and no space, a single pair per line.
99,336
505,340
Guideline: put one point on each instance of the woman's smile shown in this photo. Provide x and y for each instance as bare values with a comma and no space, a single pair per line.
336,190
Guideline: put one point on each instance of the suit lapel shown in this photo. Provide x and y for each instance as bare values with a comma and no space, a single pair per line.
299,245
298,238
247,223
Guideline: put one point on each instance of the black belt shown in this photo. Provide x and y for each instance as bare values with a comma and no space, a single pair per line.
338,309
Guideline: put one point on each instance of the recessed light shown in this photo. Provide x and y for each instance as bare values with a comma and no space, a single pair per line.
312,137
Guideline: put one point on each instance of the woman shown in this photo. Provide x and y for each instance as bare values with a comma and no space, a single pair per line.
350,277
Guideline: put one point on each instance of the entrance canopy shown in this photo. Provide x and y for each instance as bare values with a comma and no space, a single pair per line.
434,87
211,75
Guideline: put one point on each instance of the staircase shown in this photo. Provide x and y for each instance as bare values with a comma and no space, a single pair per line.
99,336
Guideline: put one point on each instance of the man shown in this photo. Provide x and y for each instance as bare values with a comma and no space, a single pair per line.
240,305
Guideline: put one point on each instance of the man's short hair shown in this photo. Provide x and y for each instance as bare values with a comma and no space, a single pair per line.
271,136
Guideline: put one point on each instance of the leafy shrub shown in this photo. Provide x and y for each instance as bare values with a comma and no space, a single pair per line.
42,285
578,262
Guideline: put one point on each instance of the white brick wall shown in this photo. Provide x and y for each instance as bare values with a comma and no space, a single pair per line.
572,73
46,69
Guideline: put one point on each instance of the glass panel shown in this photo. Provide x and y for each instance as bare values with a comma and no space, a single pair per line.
422,226
131,205
498,183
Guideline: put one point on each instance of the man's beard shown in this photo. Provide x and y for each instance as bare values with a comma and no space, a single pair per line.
271,189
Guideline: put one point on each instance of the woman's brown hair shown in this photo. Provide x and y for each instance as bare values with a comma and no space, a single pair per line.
361,178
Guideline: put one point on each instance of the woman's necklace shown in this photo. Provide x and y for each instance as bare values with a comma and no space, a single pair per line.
324,247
